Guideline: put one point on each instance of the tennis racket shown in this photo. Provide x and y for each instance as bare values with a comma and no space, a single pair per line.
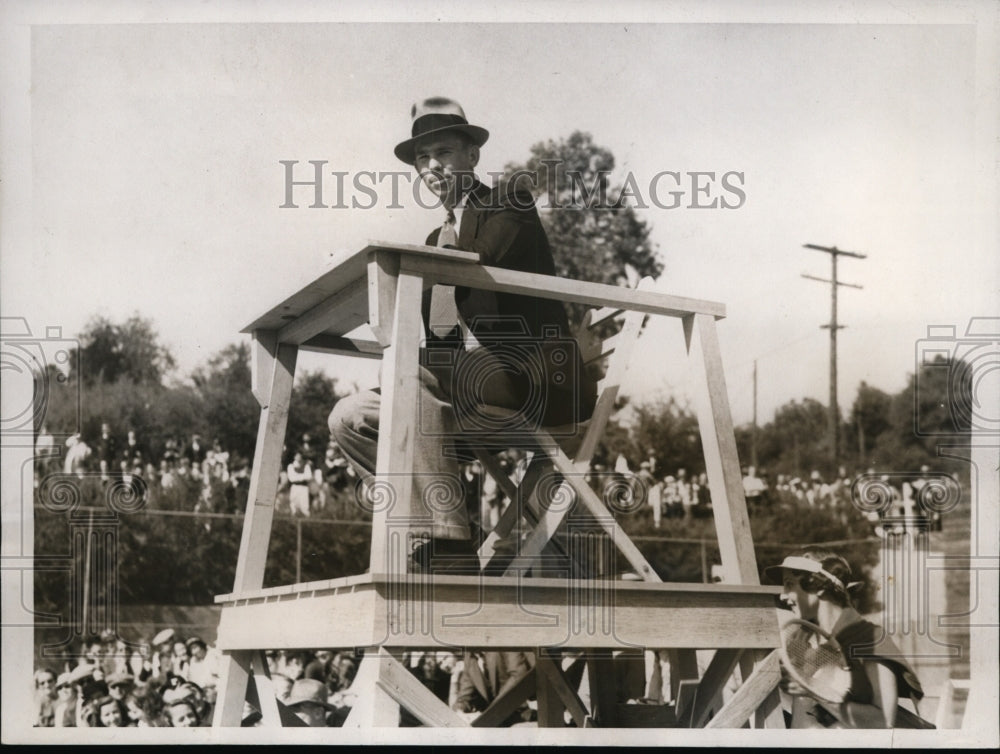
815,660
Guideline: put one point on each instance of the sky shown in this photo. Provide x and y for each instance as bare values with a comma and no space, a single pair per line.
140,172
156,181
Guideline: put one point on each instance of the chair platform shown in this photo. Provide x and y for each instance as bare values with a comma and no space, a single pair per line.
419,611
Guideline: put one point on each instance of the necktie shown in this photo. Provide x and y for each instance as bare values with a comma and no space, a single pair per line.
448,236
444,313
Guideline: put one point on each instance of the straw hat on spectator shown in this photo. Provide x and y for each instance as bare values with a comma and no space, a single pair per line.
163,637
80,672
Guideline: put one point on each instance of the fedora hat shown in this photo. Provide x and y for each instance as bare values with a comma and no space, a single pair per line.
434,115
308,690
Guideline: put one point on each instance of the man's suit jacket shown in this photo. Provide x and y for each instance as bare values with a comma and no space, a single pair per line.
502,226
478,689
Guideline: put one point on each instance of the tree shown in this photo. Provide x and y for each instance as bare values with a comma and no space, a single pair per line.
869,417
594,234
668,430
230,412
131,351
935,408
796,441
313,397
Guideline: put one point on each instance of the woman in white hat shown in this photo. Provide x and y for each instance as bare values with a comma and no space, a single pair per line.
816,586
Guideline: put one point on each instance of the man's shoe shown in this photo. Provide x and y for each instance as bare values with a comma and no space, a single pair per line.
453,556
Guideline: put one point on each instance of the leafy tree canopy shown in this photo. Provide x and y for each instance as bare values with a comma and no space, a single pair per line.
132,350
595,235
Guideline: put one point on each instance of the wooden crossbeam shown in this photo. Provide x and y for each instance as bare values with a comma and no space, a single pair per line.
553,678
410,693
336,345
712,682
348,308
560,289
603,517
508,702
749,697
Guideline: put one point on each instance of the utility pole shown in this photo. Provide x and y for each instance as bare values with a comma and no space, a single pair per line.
753,436
834,415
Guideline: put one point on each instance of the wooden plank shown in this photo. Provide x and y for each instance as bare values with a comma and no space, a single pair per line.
768,714
420,250
626,340
721,457
508,702
266,697
264,477
383,269
398,427
348,267
509,613
347,619
560,289
374,707
713,681
551,710
262,349
410,693
339,346
234,674
542,532
522,501
748,697
339,313
604,518
551,677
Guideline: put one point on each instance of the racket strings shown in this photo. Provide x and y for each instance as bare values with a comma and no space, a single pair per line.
816,663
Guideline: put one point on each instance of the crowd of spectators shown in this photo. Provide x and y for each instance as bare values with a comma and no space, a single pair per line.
168,682
171,682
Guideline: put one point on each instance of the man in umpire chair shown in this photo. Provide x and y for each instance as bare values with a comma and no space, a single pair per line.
492,361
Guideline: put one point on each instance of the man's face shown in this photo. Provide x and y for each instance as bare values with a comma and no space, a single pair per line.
445,162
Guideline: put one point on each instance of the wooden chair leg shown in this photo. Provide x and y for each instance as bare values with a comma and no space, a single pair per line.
234,676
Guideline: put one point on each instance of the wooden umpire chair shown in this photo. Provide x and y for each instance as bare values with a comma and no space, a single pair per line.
549,599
